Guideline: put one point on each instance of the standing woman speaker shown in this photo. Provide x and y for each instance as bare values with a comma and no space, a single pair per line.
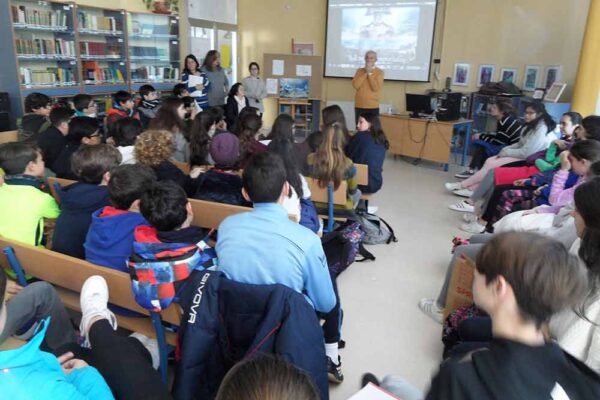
219,85
255,87
367,82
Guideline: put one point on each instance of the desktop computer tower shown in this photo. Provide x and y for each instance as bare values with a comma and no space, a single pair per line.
447,105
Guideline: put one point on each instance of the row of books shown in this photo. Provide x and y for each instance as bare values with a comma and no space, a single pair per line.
102,75
36,16
99,48
96,22
45,47
47,77
153,73
140,51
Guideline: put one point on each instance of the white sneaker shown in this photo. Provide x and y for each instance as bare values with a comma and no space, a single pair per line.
452,186
468,217
372,209
151,345
462,206
94,301
431,309
473,227
463,192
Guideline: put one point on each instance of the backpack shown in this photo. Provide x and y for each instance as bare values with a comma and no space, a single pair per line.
309,217
376,229
342,245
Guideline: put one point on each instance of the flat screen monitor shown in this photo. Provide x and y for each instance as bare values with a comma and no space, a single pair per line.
418,104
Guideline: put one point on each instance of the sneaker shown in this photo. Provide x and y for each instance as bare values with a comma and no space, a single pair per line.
463,192
334,371
94,301
151,345
473,227
372,209
465,174
342,344
430,308
369,378
462,206
468,217
452,186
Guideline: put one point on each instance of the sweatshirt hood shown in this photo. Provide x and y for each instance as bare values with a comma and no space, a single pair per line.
83,197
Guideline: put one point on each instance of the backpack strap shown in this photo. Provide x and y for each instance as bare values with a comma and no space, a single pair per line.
366,254
393,237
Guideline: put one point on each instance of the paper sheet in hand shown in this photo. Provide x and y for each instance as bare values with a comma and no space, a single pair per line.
372,392
194,80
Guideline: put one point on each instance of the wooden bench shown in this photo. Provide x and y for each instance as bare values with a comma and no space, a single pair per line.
362,178
184,167
9,136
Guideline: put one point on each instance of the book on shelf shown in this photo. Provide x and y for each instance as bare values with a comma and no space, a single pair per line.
144,51
52,76
93,73
92,22
38,46
154,73
99,49
40,17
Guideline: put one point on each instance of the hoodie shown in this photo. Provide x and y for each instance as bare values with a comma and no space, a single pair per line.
109,240
77,201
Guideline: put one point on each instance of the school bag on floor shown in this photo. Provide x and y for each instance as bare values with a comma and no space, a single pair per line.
342,246
376,229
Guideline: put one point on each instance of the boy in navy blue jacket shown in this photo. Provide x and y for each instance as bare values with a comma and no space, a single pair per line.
109,241
91,164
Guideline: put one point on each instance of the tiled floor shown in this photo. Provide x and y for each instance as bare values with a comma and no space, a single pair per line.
384,330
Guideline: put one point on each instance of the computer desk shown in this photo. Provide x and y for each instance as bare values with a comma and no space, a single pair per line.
425,139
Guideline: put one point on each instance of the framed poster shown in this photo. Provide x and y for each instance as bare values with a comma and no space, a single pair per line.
461,74
485,74
508,75
530,80
553,94
551,75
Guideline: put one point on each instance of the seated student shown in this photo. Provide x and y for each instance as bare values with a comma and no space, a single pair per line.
223,183
299,189
180,90
486,145
264,247
202,130
283,128
191,110
220,123
82,131
53,139
330,164
155,149
265,377
122,106
124,133
91,165
368,146
35,121
236,102
521,292
249,127
85,106
109,240
170,117
333,114
114,365
23,206
148,105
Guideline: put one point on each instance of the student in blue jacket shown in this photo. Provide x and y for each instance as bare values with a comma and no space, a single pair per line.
369,146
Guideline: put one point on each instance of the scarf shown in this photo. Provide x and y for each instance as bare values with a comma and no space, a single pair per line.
25,180
150,104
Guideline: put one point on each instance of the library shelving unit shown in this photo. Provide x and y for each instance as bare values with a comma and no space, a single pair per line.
305,113
153,42
102,49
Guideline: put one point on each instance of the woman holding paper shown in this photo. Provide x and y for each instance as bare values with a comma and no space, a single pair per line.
367,82
255,87
196,81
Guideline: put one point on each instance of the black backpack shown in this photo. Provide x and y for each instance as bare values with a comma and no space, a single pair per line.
343,245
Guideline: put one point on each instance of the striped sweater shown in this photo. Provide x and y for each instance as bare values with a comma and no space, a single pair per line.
508,132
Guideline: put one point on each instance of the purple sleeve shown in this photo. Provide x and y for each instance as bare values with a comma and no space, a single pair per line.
559,196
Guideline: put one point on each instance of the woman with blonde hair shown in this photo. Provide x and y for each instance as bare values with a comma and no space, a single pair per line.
329,164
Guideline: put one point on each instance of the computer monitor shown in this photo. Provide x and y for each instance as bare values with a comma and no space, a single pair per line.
418,104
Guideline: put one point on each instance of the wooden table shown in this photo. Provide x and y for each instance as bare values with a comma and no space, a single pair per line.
424,139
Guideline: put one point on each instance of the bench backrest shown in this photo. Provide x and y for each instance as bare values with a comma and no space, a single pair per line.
52,181
362,174
319,194
70,273
184,167
9,136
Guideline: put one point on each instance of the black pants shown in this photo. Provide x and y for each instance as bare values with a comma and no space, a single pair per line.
123,361
333,319
358,111
478,158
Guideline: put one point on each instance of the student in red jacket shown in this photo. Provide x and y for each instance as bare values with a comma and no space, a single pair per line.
122,106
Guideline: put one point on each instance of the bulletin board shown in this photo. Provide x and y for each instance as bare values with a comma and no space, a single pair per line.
292,65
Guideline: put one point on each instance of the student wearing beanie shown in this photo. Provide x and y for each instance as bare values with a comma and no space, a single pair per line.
223,184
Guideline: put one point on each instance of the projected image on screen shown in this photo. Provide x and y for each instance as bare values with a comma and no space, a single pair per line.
401,32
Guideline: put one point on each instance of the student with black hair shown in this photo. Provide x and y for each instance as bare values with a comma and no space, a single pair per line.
82,131
249,145
53,139
109,240
198,91
283,128
91,165
236,102
220,123
264,247
122,106
180,90
124,133
35,121
148,105
368,146
202,130
589,128
85,106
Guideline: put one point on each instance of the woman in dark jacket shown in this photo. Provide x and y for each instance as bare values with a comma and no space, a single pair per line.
368,146
236,102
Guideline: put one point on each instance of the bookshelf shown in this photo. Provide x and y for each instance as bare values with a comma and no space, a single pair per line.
153,42
61,49
305,113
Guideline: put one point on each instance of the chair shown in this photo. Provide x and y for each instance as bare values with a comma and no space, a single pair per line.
329,196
